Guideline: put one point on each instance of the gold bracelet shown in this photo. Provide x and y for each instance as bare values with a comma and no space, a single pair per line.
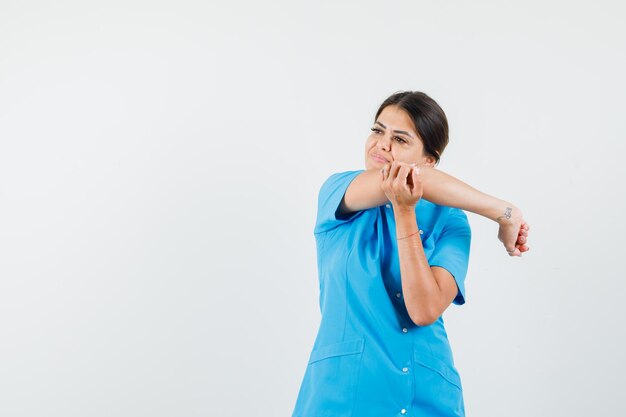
400,238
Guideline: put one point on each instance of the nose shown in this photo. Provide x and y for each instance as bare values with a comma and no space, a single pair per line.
384,143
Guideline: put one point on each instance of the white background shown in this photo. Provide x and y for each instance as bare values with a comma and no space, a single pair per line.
159,169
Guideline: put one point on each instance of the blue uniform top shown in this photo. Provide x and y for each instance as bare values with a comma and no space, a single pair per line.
369,358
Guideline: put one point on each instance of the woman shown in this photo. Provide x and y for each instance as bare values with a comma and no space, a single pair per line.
393,250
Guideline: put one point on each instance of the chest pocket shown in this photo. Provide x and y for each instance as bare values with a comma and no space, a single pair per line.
331,380
438,385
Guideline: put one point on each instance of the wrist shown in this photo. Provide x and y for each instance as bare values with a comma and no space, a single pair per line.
404,210
405,219
505,213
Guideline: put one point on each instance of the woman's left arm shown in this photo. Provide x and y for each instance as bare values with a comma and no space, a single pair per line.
446,190
428,291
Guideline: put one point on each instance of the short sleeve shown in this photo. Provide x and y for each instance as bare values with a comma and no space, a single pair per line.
329,198
452,249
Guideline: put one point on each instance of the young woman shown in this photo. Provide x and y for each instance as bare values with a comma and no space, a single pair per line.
393,247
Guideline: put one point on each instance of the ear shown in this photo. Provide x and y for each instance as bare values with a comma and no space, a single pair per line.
429,160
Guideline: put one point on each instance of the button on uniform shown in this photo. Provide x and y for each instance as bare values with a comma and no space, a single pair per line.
405,369
403,411
404,330
388,205
398,295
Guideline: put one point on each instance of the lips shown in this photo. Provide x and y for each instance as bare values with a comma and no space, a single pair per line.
379,158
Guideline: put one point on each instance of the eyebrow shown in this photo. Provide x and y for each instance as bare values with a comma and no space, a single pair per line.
397,131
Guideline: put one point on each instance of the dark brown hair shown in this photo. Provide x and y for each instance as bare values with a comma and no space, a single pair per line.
428,118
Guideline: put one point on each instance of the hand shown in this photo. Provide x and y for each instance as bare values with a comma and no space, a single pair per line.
513,232
401,184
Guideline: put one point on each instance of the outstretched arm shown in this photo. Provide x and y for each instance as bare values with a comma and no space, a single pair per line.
446,190
440,188
365,192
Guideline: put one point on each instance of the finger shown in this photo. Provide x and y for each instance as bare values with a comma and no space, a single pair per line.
417,183
416,175
407,179
400,183
393,171
384,171
403,172
512,251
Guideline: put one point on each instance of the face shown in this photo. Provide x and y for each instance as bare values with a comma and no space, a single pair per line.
394,138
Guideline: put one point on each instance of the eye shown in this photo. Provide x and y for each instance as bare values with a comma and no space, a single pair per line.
400,139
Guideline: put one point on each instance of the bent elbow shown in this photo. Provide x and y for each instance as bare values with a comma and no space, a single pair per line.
424,322
423,318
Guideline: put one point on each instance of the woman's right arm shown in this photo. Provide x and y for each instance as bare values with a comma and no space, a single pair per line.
365,192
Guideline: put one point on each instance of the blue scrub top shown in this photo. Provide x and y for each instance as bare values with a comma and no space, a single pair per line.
369,358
